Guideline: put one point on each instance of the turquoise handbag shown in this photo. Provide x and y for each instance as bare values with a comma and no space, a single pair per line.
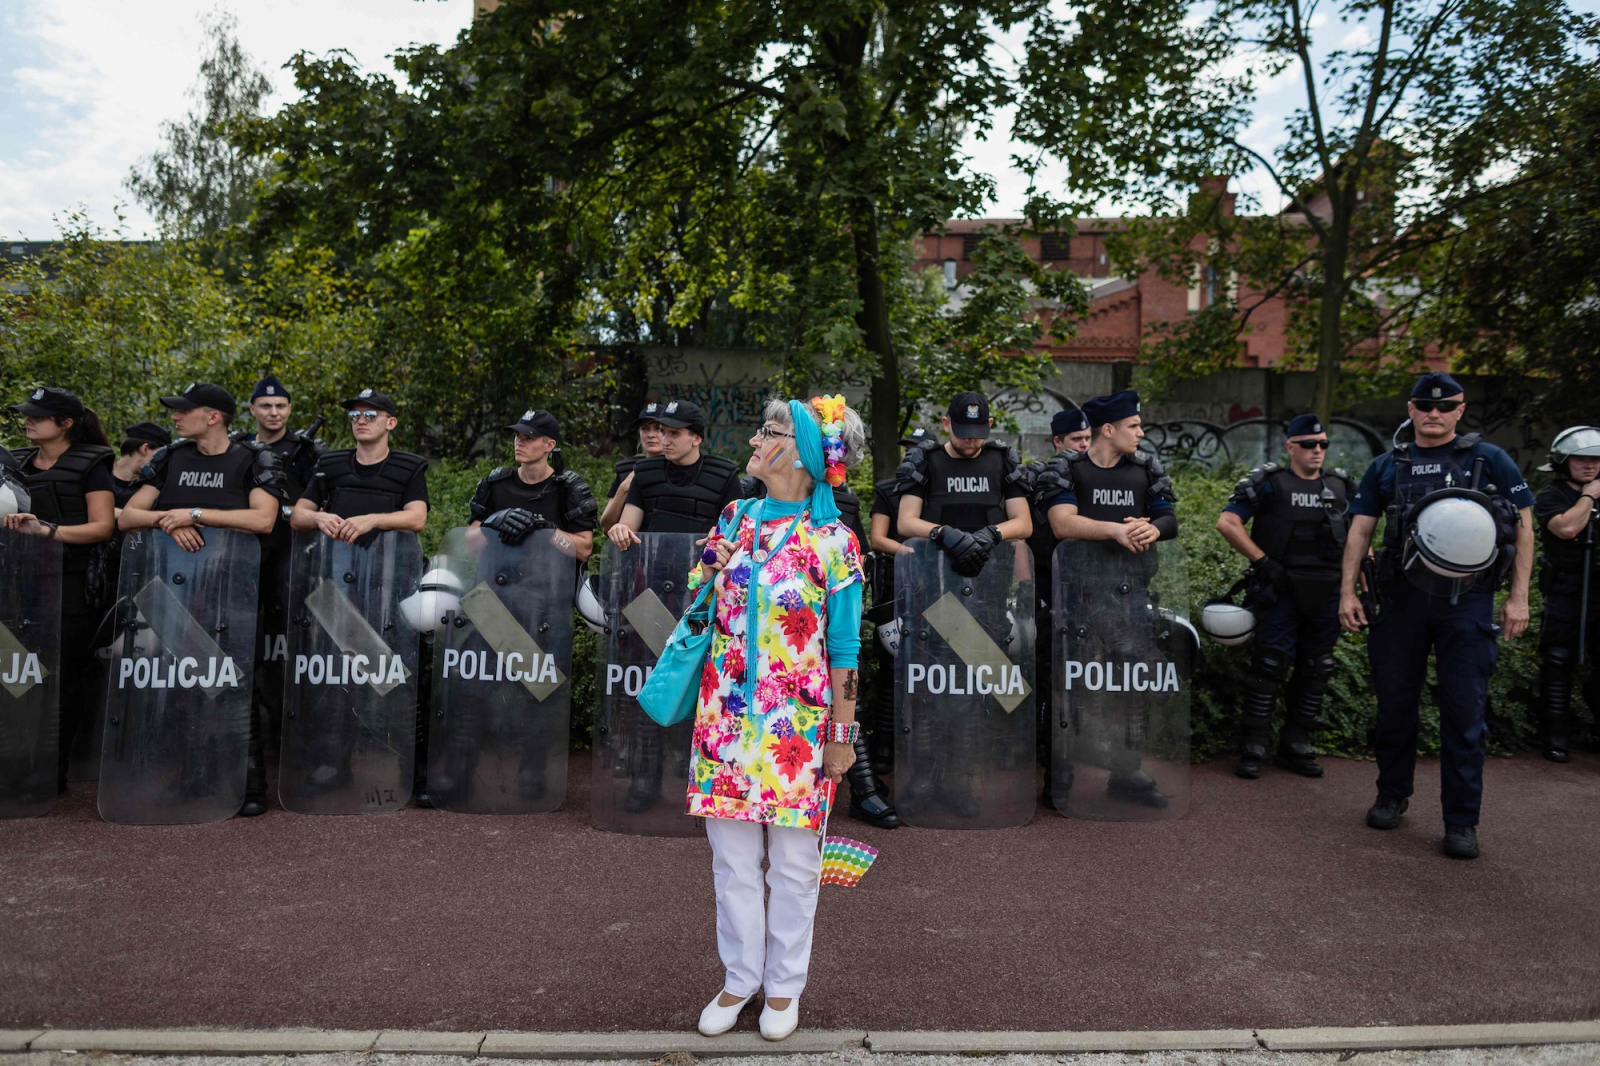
671,691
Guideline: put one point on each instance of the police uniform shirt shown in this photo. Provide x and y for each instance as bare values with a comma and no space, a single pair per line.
1377,484
188,478
122,491
1560,554
683,477
543,499
1154,506
887,503
416,489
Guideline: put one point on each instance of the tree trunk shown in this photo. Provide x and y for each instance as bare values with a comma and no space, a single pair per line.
1330,332
873,319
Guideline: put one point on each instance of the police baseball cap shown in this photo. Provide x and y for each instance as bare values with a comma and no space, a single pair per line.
537,424
1070,421
1436,387
1302,425
149,433
683,414
914,438
202,394
969,416
269,387
1114,408
650,413
370,399
50,403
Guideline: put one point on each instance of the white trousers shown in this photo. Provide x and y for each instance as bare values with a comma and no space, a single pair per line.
765,944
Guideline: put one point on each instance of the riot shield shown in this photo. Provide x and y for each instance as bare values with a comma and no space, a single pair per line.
641,771
349,719
501,664
177,729
964,707
1124,654
30,678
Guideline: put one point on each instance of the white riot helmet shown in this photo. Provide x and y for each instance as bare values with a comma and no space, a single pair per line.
1578,440
589,609
1451,540
889,636
438,595
1227,623
14,497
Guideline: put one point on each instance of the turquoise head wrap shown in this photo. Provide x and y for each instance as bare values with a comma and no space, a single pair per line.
808,442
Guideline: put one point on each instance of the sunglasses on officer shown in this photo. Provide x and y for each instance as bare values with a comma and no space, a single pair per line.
1311,445
1445,406
365,416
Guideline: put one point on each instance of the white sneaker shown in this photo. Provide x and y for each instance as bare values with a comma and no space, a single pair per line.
717,1019
778,1024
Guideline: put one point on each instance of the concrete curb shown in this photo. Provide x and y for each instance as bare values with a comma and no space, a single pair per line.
652,1045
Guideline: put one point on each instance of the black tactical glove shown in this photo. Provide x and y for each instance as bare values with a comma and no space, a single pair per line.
971,563
514,524
1271,572
953,542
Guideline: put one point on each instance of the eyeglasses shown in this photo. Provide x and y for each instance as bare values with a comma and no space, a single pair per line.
1310,445
1436,405
366,416
767,432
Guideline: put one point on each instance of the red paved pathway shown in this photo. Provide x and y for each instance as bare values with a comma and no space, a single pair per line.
1270,905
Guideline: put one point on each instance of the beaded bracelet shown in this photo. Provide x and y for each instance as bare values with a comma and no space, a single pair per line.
840,733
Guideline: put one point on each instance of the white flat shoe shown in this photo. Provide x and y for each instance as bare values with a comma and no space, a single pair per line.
778,1024
717,1019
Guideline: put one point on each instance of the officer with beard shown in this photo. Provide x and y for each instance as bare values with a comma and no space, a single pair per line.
649,445
1569,576
682,490
1458,627
1295,545
1114,492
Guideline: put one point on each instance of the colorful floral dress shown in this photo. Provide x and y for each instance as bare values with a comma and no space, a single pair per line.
757,750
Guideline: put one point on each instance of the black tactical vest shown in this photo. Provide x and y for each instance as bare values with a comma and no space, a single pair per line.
1417,477
57,493
1301,523
1110,495
1566,556
967,493
562,499
348,495
691,508
191,479
296,474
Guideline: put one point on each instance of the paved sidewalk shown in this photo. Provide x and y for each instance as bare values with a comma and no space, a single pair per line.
1270,906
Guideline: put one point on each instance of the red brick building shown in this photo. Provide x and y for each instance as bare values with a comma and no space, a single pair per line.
1121,310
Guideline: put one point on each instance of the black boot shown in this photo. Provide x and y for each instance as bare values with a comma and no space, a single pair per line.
1555,701
869,800
1267,668
882,738
255,775
1312,675
1137,787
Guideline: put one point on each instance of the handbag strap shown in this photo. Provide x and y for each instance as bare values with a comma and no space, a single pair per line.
709,588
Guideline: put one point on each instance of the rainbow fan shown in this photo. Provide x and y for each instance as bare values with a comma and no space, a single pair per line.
844,861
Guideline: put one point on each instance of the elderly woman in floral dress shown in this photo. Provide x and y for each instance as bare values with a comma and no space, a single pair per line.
776,714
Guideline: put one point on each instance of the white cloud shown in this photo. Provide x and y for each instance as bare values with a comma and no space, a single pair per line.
88,84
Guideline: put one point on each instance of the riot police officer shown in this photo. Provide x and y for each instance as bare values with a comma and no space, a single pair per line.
67,471
649,445
1569,576
1434,584
885,542
1295,545
539,492
140,442
357,492
968,494
682,490
203,480
1114,492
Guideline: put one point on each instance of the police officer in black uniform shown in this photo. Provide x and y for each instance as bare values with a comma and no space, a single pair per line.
1458,625
539,492
885,543
67,471
1295,545
682,490
1114,492
649,445
206,480
140,442
1569,531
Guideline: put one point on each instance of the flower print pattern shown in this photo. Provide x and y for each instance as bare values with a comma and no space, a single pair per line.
757,749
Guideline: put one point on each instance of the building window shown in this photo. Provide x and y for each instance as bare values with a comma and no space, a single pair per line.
969,244
1055,246
949,273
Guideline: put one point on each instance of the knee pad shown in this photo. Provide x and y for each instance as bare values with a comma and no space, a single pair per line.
1269,667
1317,664
1557,657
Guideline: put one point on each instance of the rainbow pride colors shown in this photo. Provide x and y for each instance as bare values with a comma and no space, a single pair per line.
844,861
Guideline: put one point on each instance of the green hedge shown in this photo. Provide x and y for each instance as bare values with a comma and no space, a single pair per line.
1213,567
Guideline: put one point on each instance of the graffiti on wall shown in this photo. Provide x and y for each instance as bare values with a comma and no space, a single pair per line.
731,392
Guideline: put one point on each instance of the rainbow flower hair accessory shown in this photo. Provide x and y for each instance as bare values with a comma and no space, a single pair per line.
830,410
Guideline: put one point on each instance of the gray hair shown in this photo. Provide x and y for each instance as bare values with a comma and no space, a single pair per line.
855,432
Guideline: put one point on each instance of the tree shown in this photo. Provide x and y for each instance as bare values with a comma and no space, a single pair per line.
200,184
1401,131
707,172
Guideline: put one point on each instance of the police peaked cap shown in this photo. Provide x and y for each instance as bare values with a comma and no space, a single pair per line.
1113,408
1436,387
148,432
269,386
1072,420
1302,425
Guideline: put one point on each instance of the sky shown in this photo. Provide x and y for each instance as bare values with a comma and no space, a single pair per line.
86,85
